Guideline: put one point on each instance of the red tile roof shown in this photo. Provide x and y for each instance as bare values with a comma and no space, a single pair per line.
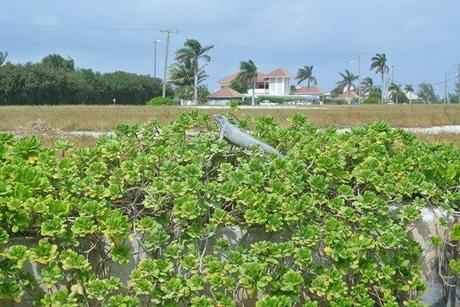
226,92
279,73
348,95
261,77
308,91
227,80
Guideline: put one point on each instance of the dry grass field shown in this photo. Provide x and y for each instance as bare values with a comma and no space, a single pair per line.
105,118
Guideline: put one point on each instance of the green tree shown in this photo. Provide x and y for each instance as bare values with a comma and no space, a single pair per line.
55,80
193,51
347,83
306,74
248,75
239,86
3,56
367,85
396,94
379,64
187,92
426,93
55,61
409,89
182,74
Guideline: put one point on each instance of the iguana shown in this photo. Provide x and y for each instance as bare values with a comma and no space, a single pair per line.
236,136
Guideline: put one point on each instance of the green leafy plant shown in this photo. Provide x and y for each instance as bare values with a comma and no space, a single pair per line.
206,223
160,101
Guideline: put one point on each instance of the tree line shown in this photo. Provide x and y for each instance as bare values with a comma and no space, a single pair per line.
56,80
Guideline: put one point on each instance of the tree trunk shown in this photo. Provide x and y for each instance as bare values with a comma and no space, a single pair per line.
195,87
253,102
383,89
349,96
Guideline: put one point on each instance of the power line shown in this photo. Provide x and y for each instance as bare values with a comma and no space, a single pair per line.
85,28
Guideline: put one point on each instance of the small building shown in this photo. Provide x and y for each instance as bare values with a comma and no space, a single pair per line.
309,94
224,95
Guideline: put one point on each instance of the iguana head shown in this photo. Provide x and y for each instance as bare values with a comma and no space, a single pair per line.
220,119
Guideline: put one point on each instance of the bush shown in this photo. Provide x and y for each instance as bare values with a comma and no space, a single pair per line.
371,100
339,101
161,101
186,93
234,102
314,227
399,97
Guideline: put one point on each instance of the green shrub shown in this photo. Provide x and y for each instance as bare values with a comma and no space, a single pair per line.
275,99
371,100
234,102
161,101
399,97
340,101
318,221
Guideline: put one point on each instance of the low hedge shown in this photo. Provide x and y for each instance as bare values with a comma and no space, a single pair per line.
161,101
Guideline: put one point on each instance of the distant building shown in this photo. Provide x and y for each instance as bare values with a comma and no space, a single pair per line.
224,95
276,83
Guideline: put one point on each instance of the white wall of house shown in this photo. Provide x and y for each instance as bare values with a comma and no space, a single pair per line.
279,86
259,92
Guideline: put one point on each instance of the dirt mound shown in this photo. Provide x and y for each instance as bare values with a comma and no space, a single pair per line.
37,127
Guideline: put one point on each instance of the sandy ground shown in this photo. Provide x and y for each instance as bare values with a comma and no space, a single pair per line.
41,128
423,130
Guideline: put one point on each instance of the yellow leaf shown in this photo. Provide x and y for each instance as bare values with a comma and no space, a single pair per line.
77,288
328,250
32,159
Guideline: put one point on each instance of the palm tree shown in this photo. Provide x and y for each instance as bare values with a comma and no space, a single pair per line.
182,74
379,64
248,75
394,89
367,85
306,73
3,56
193,51
347,83
409,89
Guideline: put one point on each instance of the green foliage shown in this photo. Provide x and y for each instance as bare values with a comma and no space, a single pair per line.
234,103
239,86
276,99
337,101
371,100
186,93
160,101
426,93
318,223
55,80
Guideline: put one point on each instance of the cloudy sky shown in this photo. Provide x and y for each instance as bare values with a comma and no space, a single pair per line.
420,37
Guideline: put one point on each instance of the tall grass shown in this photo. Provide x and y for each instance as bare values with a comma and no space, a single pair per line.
105,118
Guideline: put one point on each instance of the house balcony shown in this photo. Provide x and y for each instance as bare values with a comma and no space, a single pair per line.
259,92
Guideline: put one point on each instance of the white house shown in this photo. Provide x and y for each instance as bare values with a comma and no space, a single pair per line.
276,83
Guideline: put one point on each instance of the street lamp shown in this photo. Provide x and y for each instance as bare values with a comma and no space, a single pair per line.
155,42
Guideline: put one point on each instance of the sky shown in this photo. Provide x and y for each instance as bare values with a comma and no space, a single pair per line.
419,37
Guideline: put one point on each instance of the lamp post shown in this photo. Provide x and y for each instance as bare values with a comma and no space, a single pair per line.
155,42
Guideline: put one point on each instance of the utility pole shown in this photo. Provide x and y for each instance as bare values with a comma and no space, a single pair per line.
165,74
392,74
358,55
155,42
